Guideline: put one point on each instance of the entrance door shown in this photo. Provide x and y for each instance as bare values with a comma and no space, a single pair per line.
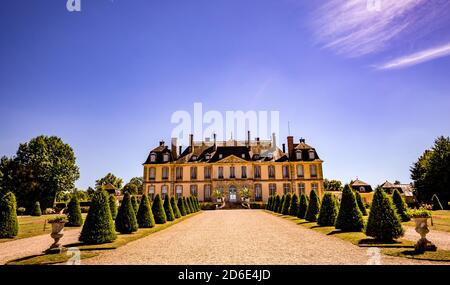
232,193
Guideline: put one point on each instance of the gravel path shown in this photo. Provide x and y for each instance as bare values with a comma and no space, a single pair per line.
239,237
440,239
34,245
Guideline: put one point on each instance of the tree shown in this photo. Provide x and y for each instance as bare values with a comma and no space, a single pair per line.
293,210
90,191
431,172
384,223
36,211
350,217
286,204
113,206
99,226
134,203
158,210
168,209
436,203
328,211
126,222
277,203
134,186
280,206
332,185
144,215
181,206
41,168
360,203
186,206
175,209
74,213
9,225
313,207
302,207
400,206
109,178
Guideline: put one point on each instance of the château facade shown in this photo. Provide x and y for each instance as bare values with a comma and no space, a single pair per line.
208,166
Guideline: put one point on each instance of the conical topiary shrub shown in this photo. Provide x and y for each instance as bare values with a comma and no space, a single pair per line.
113,206
135,204
126,222
302,206
197,204
181,206
175,209
144,214
170,216
74,213
313,207
350,217
191,205
293,209
286,204
436,203
194,203
328,211
36,211
360,203
158,211
400,206
9,225
277,203
269,203
99,226
280,206
186,206
384,223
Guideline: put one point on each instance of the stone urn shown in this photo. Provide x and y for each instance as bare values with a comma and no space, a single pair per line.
56,234
423,244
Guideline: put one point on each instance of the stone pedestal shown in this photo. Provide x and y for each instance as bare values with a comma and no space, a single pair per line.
423,244
57,234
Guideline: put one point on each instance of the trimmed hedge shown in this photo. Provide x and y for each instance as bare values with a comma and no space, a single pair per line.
293,209
313,207
360,203
99,226
277,203
74,213
168,209
144,214
258,205
134,203
280,206
36,211
181,206
328,210
286,204
9,225
126,222
158,210
400,206
302,206
186,206
175,209
350,218
113,206
208,206
436,203
269,203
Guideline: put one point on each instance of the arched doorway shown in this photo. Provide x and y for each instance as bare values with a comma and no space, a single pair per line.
232,194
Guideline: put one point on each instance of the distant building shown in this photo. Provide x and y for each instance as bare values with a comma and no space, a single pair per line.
111,189
407,190
360,186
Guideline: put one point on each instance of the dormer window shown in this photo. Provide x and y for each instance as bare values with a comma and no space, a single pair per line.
243,155
256,156
270,155
220,156
153,157
298,155
166,157
208,156
311,154
194,158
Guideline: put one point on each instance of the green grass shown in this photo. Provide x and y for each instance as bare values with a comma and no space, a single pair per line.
48,259
34,226
441,221
440,255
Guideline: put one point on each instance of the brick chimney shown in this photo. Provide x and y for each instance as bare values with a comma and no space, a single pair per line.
284,148
191,142
173,148
290,143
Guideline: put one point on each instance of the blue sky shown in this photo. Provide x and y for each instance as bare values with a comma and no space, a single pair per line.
368,88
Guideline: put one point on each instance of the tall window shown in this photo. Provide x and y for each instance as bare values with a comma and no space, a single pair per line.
314,186
207,172
272,189
300,171
301,188
151,173
244,172
194,190
313,170
207,192
298,155
165,173
271,171
285,171
166,157
179,191
286,188
220,174
194,172
151,192
257,171
258,192
232,172
179,173
164,191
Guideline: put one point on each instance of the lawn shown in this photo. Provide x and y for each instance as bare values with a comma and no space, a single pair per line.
441,221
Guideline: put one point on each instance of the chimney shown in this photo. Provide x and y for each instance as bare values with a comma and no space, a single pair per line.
173,148
257,141
191,142
248,138
302,140
290,143
161,143
214,138
274,140
284,148
180,149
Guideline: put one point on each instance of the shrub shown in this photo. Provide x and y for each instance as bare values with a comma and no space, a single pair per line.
74,213
276,203
175,209
286,204
436,203
384,223
186,206
350,217
360,203
126,222
293,209
158,210
170,216
328,210
84,210
302,206
135,204
49,211
258,205
280,206
99,226
21,211
9,225
144,214
36,211
313,207
182,206
112,200
208,206
197,205
269,203
400,206
191,205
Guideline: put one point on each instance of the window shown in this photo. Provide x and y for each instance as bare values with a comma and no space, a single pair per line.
244,172
257,171
220,156
165,173
285,171
207,192
311,154
179,173
164,190
270,155
194,191
153,157
207,172
298,155
301,188
314,187
272,189
256,156
207,156
194,158
232,172
194,172
151,173
362,189
220,174
243,155
179,191
166,157
313,170
286,188
151,192
258,192
299,170
271,171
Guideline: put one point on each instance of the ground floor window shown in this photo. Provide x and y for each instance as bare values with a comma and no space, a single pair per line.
314,187
272,189
179,191
301,188
258,192
151,192
194,190
207,192
164,190
286,188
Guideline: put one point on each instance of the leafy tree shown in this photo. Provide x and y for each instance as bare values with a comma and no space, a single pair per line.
90,191
181,206
350,217
360,203
186,206
384,223
134,186
9,225
109,178
158,210
144,215
99,226
134,203
113,206
277,203
36,211
293,210
74,213
286,204
168,209
126,222
302,207
436,203
280,206
400,206
175,209
332,185
328,210
431,172
313,207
